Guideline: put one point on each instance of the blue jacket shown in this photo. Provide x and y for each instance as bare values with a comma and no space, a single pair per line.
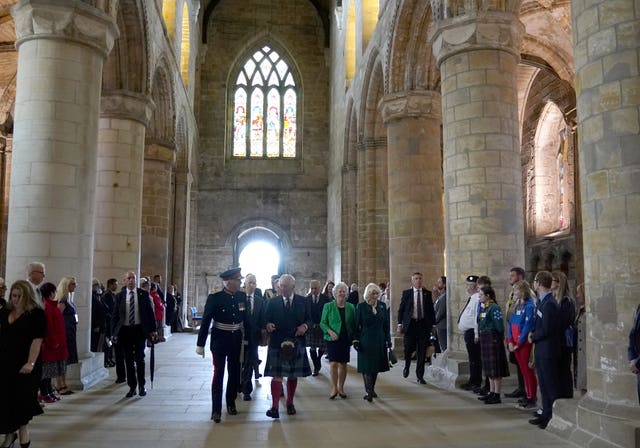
633,352
523,318
547,335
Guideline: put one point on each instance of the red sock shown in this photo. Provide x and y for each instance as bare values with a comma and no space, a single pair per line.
292,383
276,391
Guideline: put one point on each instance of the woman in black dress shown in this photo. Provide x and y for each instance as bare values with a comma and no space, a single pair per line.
338,322
22,329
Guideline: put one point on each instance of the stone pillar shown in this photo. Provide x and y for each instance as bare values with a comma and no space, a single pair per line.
182,217
61,50
123,121
607,79
416,230
478,57
156,204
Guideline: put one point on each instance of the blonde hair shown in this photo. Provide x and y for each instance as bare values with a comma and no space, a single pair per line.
523,287
563,286
62,291
28,300
369,290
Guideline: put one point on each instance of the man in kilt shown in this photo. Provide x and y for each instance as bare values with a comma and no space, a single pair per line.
315,335
226,309
287,319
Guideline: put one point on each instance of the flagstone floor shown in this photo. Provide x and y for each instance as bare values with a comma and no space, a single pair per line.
176,412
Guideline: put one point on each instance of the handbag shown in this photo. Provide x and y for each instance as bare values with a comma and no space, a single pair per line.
393,359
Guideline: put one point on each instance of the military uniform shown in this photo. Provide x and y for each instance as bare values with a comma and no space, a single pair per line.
227,311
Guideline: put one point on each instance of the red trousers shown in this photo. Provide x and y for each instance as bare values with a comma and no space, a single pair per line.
530,380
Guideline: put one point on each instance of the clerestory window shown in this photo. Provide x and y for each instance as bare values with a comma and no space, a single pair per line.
265,107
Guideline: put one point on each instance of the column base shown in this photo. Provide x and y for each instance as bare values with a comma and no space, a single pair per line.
87,373
589,422
447,370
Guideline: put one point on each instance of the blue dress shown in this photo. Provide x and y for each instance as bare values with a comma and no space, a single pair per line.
70,326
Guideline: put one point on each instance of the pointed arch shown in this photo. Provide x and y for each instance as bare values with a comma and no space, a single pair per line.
162,127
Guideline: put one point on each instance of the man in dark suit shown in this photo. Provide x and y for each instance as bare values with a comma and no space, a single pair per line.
113,356
440,309
253,324
315,335
134,322
415,320
547,337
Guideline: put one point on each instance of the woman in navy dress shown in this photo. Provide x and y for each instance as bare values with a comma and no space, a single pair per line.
64,296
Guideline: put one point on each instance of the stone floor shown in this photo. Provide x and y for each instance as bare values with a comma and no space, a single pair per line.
176,413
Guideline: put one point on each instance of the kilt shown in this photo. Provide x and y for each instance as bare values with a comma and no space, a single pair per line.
315,338
493,354
298,366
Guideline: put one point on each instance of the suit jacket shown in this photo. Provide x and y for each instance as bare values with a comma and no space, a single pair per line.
546,328
315,310
145,309
286,321
440,309
405,311
254,322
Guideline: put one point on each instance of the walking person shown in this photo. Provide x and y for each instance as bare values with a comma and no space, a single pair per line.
315,335
253,324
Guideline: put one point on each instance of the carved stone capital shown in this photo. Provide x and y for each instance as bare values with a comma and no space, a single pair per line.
484,31
159,153
126,105
91,23
413,103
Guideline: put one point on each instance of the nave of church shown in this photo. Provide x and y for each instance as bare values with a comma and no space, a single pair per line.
176,412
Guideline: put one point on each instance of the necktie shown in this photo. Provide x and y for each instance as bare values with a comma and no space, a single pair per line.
288,303
132,308
420,316
251,304
315,299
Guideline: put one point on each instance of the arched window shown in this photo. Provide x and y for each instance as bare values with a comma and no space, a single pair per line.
265,107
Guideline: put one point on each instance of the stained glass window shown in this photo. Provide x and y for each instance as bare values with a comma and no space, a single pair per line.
265,106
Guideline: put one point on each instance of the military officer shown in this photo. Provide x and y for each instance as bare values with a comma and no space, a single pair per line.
226,309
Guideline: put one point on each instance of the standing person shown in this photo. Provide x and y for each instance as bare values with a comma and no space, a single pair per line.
468,325
516,274
22,330
546,338
171,308
315,335
98,318
415,320
3,293
133,323
633,350
338,322
372,339
36,273
270,293
327,291
158,310
560,290
64,296
157,279
519,326
253,325
354,295
440,310
109,302
580,341
491,335
54,347
287,319
226,309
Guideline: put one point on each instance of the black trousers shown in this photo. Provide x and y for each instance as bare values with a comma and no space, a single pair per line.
548,379
249,364
475,360
415,339
565,385
225,350
133,342
118,352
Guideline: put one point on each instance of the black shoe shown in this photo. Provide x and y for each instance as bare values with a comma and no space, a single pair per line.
368,397
142,392
421,381
493,399
273,413
405,372
231,409
215,416
467,386
246,397
315,372
517,393
374,394
539,420
131,393
485,397
120,381
291,409
481,390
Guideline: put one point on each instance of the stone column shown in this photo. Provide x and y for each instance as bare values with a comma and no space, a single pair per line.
608,85
182,217
61,50
156,204
416,230
478,57
123,121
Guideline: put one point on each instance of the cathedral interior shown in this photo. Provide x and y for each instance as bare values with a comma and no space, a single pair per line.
363,140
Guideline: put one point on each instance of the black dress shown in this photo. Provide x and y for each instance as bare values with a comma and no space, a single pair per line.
339,350
70,326
19,402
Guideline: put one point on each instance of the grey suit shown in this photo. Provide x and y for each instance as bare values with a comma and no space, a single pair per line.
440,308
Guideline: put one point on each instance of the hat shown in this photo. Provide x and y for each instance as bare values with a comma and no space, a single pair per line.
231,274
472,278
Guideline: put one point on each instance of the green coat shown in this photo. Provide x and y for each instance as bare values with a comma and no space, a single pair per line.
331,320
372,332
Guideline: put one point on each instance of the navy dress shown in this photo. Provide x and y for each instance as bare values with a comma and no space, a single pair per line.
339,350
70,327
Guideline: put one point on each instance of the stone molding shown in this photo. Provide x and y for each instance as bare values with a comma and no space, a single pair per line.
73,21
413,103
183,178
500,31
126,105
159,153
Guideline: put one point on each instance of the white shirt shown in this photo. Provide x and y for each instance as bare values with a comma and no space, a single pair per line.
468,318
128,304
285,299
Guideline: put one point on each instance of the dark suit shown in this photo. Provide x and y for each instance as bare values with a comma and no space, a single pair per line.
416,331
132,338
315,335
253,324
440,309
546,336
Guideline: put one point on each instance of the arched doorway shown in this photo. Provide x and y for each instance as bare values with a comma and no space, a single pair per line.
258,250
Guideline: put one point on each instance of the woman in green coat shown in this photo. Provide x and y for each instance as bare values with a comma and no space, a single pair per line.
372,339
338,323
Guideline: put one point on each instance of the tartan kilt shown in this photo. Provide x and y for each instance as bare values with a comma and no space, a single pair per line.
315,338
298,366
494,355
